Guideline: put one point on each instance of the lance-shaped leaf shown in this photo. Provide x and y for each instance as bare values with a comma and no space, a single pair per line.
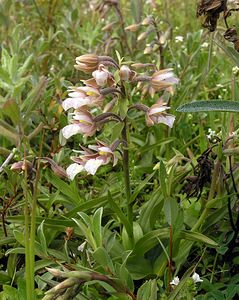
210,105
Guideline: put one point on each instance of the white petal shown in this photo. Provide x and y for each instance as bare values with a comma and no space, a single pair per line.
73,170
163,76
167,120
71,130
196,278
75,103
100,77
92,165
158,109
175,281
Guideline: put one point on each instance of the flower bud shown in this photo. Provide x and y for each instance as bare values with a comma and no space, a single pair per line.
87,63
125,73
21,166
133,27
147,21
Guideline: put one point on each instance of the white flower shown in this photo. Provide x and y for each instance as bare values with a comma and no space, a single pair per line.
175,281
204,45
235,70
82,246
196,278
178,38
211,134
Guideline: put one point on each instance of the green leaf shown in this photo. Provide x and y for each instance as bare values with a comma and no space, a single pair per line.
197,237
4,278
148,291
170,210
9,293
149,240
119,214
96,226
141,186
33,98
163,176
64,188
11,109
103,259
210,105
41,237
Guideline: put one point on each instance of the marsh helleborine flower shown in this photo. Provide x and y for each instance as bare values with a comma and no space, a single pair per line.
90,161
82,96
156,114
82,122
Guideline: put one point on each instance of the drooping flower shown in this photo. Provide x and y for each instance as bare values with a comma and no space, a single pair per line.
156,114
101,77
91,159
175,281
163,79
82,122
82,96
196,278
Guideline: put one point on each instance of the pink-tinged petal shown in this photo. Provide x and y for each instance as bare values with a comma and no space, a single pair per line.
100,77
73,170
83,117
105,150
166,119
90,91
157,109
92,165
75,103
76,94
70,130
163,76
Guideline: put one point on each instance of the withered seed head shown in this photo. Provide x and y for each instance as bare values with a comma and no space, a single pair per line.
211,10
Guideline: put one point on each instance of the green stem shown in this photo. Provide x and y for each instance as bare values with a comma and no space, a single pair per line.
28,272
127,178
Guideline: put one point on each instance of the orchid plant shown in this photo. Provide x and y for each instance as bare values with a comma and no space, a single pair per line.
105,98
107,83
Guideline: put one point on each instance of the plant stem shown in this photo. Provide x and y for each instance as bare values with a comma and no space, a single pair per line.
28,274
127,178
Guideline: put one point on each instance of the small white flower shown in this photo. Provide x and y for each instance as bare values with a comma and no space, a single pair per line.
196,278
175,281
211,134
235,70
204,45
82,246
219,85
178,39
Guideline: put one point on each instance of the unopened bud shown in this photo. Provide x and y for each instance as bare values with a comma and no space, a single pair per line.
87,63
147,21
55,272
58,170
124,73
108,27
133,27
142,36
148,49
21,166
